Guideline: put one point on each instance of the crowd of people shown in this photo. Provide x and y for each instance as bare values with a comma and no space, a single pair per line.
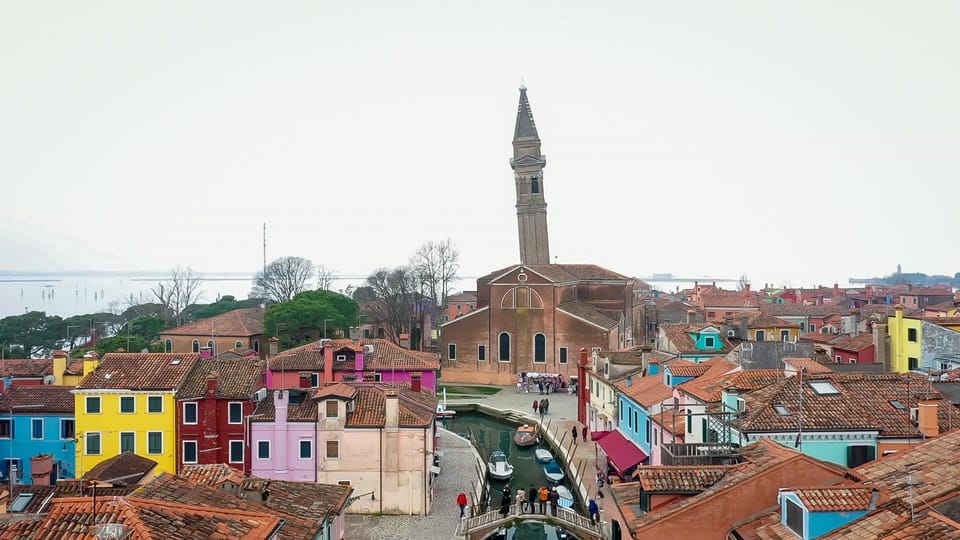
532,501
543,383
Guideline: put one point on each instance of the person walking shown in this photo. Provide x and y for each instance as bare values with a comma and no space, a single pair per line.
521,502
554,499
462,503
546,405
600,500
543,495
573,431
599,480
505,503
536,406
540,386
532,500
543,409
594,512
583,432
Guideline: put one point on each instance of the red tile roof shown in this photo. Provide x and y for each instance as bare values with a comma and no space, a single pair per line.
647,391
708,389
835,498
588,313
388,355
336,390
672,421
237,378
37,399
244,322
303,411
26,367
729,299
140,371
679,479
308,500
679,336
121,470
686,368
417,409
853,343
810,365
759,319
211,474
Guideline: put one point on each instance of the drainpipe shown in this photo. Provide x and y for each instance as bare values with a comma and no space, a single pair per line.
426,472
381,470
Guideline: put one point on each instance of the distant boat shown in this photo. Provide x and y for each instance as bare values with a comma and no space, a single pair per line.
553,471
498,467
526,435
543,455
566,498
442,412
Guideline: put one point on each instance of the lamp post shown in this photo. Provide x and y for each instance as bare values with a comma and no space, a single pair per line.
68,344
325,321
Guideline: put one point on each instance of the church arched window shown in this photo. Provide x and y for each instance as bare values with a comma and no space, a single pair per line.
504,342
196,346
534,185
539,348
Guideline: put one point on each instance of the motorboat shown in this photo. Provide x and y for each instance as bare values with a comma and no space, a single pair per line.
553,471
566,498
526,435
498,467
543,455
442,412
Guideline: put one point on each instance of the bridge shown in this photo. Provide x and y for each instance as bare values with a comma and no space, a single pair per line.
481,526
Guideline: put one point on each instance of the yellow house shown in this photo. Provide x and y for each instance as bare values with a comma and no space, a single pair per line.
125,403
759,326
905,341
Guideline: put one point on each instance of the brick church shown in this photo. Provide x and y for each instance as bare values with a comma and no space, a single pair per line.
535,316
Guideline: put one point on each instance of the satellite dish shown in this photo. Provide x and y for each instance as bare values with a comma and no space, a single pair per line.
145,351
49,379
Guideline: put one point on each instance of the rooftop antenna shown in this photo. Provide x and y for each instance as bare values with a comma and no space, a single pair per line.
264,247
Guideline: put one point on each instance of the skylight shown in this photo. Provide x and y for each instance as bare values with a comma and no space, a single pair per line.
175,361
897,405
824,388
21,502
781,410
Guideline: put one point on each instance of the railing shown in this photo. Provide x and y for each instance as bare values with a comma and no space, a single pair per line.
699,454
561,517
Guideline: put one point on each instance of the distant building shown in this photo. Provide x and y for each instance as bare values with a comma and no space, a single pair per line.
237,329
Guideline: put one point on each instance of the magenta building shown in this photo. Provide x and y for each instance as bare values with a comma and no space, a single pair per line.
282,436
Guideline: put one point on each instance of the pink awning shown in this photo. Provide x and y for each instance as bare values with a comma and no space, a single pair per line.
620,451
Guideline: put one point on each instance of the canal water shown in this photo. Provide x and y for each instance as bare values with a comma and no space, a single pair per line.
489,434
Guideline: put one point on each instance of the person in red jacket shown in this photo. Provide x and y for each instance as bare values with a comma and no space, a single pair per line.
462,503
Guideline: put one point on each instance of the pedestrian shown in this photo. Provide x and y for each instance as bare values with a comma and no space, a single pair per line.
543,495
574,432
462,503
532,499
536,406
583,432
554,499
546,405
594,513
540,386
543,409
505,504
600,499
521,501
599,480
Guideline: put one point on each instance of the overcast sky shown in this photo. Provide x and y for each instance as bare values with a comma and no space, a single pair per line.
798,142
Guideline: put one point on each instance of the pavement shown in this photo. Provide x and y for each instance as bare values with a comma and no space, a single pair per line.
458,470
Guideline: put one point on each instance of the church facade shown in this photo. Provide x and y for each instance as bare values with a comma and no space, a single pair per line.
534,317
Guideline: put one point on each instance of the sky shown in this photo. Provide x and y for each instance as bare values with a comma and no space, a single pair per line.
799,143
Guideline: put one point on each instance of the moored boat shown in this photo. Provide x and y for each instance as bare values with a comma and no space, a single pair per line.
498,467
566,498
526,435
543,455
442,412
553,471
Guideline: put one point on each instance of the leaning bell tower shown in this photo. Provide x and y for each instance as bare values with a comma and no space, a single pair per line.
528,164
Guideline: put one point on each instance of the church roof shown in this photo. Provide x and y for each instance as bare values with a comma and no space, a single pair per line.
589,314
526,127
558,273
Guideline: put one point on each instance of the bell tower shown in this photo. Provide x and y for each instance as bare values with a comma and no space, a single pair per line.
528,164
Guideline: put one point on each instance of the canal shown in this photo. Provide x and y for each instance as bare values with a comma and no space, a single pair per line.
488,434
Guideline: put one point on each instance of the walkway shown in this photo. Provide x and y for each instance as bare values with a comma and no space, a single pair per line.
484,524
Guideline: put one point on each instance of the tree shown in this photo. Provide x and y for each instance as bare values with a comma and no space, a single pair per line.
223,305
397,300
180,290
436,265
283,279
32,334
743,282
309,313
325,278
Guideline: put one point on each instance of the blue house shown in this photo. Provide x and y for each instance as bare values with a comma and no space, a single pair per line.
37,421
638,398
815,512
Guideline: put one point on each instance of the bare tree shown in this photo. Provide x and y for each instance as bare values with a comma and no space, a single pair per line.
396,300
283,279
436,265
743,282
325,277
180,290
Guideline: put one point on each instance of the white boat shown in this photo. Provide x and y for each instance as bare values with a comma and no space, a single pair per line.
498,467
566,498
553,471
543,455
442,412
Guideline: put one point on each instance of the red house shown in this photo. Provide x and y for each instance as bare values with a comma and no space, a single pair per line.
213,406
854,349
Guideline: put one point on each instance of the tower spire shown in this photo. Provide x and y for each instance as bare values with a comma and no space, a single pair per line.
526,127
528,164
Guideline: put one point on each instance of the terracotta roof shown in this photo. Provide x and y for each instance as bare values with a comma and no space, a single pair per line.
810,365
686,368
121,470
43,495
835,498
928,291
708,389
576,272
679,479
672,421
759,319
26,367
244,322
465,296
307,357
819,337
336,390
38,399
74,368
943,321
647,391
388,355
212,474
308,500
729,299
417,409
679,335
853,343
919,473
304,411
802,310
588,313
140,371
238,378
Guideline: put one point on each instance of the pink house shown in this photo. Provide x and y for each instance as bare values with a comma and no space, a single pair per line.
282,436
854,350
669,426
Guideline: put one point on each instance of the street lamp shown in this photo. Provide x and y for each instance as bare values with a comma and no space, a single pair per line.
325,321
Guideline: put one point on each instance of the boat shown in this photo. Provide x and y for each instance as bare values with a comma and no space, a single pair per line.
526,435
566,498
498,467
442,412
553,471
543,455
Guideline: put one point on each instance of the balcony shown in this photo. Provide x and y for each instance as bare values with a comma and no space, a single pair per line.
700,454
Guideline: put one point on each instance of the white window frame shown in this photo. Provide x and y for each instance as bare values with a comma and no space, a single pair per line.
120,404
120,441
269,450
149,453
300,449
341,358
483,348
238,345
86,405
196,452
32,438
196,413
230,451
230,416
451,348
148,404
314,380
86,443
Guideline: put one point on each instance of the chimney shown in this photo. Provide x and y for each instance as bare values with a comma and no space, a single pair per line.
836,290
415,382
59,366
746,287
212,384
328,362
392,402
928,418
91,361
273,346
645,358
358,358
94,337
281,398
874,499
629,381
743,332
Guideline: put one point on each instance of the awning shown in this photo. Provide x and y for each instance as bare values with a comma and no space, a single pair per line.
620,451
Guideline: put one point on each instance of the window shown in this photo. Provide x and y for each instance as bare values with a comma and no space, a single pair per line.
235,408
93,404
189,451
712,314
482,353
167,345
263,449
68,428
504,341
803,327
154,404
210,346
813,328
36,428
689,421
236,451
795,517
22,500
6,428
237,344
314,380
839,358
858,455
824,388
709,342
760,335
539,348
92,439
451,351
306,449
196,346
646,429
741,404
190,413
912,335
534,185
898,405
154,442
784,335
563,355
333,408
912,363
782,410
128,441
347,483
127,404
655,437
333,449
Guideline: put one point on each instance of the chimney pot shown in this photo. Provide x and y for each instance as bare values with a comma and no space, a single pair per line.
415,382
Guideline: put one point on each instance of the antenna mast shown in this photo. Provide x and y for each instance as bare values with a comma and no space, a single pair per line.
264,247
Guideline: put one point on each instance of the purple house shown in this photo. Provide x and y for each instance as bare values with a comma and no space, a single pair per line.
283,433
